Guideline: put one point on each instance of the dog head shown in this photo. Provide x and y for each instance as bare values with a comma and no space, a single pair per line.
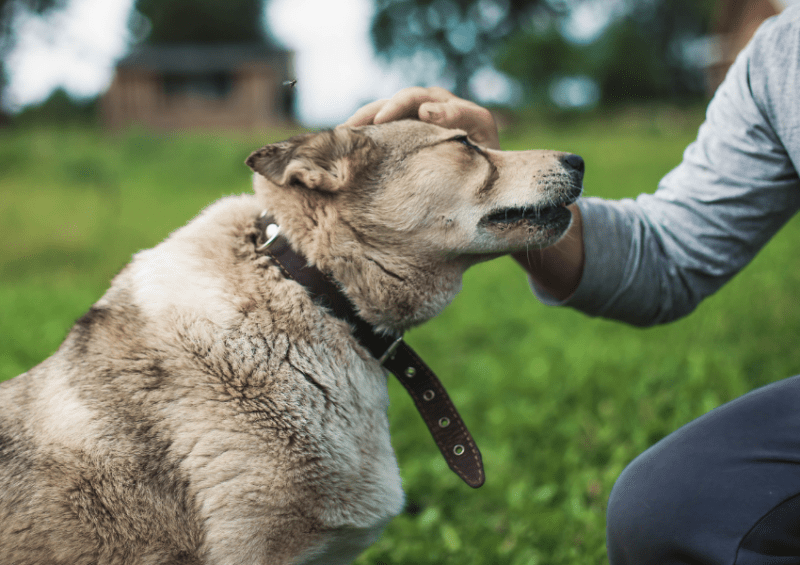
413,204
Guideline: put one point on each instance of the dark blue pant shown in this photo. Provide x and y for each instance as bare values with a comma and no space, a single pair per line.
724,489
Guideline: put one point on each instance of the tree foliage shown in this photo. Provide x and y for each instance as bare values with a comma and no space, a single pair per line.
204,21
639,55
463,34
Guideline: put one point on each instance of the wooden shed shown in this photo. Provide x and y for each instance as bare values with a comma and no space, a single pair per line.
224,87
735,23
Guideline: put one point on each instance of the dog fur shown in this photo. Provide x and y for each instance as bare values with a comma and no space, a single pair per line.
206,411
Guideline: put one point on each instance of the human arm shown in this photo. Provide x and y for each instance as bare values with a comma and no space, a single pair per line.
653,259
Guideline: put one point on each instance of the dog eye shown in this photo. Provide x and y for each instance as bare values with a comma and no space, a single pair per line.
465,140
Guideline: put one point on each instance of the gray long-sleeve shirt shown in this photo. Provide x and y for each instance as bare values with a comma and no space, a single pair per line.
653,259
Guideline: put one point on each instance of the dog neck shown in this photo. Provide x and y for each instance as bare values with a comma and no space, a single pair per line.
321,288
429,395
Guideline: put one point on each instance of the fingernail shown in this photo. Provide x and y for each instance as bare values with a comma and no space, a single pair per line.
378,119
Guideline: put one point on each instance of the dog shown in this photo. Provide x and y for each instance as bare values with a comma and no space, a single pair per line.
207,411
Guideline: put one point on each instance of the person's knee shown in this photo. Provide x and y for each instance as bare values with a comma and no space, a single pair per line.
625,523
695,495
645,512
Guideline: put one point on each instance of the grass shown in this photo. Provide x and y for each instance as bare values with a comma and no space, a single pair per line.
559,403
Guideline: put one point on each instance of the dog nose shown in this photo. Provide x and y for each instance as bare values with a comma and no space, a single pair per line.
574,163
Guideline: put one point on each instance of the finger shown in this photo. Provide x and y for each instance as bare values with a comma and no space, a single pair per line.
457,113
436,113
366,114
406,103
480,123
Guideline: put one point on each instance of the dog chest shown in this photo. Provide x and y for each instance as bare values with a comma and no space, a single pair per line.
291,426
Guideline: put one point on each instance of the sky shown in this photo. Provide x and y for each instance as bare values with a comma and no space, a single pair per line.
334,60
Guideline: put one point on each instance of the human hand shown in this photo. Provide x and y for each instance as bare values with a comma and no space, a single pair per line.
433,105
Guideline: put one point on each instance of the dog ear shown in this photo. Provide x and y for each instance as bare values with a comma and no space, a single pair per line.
318,161
271,160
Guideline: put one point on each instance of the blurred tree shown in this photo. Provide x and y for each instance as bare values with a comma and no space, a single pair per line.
9,11
59,108
210,21
537,55
624,63
645,53
462,34
670,27
641,54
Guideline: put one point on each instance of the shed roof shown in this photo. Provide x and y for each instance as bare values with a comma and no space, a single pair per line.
196,58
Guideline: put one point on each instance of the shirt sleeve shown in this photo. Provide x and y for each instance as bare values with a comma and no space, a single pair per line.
653,259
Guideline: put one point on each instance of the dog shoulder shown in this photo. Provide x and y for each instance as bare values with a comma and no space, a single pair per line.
193,270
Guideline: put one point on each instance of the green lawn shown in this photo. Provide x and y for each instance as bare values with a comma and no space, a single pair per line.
558,403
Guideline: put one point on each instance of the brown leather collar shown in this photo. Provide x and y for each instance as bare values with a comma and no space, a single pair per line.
430,397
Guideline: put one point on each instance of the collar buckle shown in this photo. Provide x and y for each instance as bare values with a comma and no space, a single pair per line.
273,237
389,354
272,232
